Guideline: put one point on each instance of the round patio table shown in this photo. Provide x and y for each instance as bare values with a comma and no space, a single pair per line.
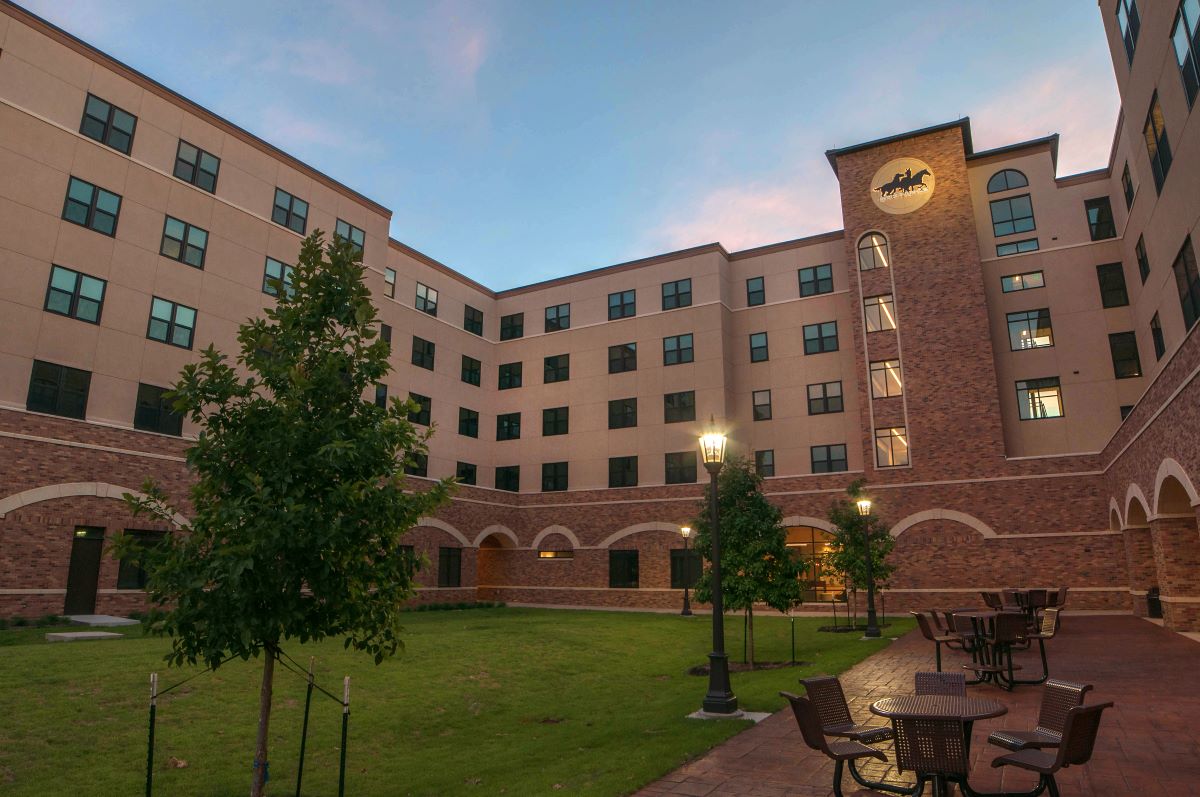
967,709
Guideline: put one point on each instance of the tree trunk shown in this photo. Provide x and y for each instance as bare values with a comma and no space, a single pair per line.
750,633
264,722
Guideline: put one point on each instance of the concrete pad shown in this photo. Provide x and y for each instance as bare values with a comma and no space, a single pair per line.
81,636
754,716
100,619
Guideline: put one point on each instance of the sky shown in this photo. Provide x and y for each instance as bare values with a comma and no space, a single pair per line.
521,141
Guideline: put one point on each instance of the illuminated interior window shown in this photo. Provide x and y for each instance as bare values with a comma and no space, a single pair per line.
879,313
873,252
1039,398
891,447
1030,329
885,379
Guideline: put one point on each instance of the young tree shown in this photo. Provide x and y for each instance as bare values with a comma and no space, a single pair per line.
848,551
298,505
756,566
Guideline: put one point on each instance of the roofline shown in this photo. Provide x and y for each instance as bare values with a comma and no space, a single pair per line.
666,257
1051,139
1083,177
83,48
964,123
437,265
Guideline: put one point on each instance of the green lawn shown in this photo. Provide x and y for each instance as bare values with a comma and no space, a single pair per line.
484,701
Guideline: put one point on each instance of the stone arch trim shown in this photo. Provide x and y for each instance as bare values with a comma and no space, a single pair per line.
1170,467
804,520
435,523
637,528
985,531
1115,509
70,489
562,530
1132,493
497,529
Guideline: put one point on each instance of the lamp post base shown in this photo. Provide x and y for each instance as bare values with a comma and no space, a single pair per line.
720,698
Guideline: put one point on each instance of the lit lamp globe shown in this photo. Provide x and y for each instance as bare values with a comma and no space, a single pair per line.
864,506
686,531
712,450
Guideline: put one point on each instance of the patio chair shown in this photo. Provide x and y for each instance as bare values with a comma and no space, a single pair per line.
825,692
840,751
1048,627
953,684
1058,698
992,600
935,749
935,636
1075,748
1007,630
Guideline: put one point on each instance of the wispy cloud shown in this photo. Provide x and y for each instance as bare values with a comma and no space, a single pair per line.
291,131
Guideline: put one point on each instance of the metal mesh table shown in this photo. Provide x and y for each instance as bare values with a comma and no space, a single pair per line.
968,709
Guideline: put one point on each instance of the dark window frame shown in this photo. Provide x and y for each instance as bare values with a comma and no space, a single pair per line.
449,566
622,304
622,414
184,242
869,246
427,304
67,401
884,367
423,414
556,421
1112,294
1189,61
555,477
558,317
1127,188
1158,146
1032,323
764,462
172,324
1009,248
826,458
816,280
288,213
1014,283
684,408
759,350
622,358
1101,223
200,176
466,472
284,277
756,291
472,371
623,568
674,298
424,353
1026,410
679,467
355,236
1143,260
760,410
678,349
508,478
473,320
1187,282
1127,361
108,124
878,312
153,413
512,326
1004,176
91,208
1015,216
1156,335
75,296
822,342
508,426
825,403
509,376
1128,10
890,434
556,368
468,422
622,472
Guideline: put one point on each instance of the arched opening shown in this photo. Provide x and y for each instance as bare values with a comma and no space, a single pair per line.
1136,514
873,252
1006,180
1114,520
555,547
1173,498
495,559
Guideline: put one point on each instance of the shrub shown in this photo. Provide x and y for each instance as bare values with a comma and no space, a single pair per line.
19,622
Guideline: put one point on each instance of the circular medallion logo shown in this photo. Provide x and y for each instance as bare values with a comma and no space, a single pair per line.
902,185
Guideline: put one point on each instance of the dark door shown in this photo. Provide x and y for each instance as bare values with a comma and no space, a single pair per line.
85,570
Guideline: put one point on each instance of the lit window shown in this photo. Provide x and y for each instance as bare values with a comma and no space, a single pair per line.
183,242
1111,277
75,294
829,458
885,379
1158,148
58,390
1017,247
1100,218
108,124
194,165
824,398
891,447
622,472
558,317
171,323
91,207
680,467
756,292
1126,362
622,305
816,280
677,349
427,299
277,275
762,405
1030,329
1022,282
290,211
1006,180
879,313
1012,215
873,252
758,347
677,294
1039,398
351,234
623,357
423,353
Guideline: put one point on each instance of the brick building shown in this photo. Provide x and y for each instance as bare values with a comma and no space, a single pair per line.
1008,357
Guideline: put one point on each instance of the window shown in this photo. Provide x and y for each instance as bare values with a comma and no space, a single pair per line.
677,349
1017,247
424,410
1124,349
351,234
75,294
422,353
508,426
824,398
756,292
510,376
381,394
622,358
677,294
183,242
1012,215
473,320
764,462
449,567
680,467
1139,251
820,338
171,323
621,305
472,370
1157,146
622,472
512,326
1125,410
885,379
389,282
1030,329
1185,36
829,459
879,313
891,447
1100,218
558,317
465,472
554,477
623,569
1127,186
622,413
58,390
468,422
385,333
1112,285
1022,282
290,211
108,124
427,299
1187,280
872,252
1156,334
194,165
508,477
275,276
686,566
1128,25
758,347
761,400
1039,398
130,572
557,368
555,420
817,279
91,207
679,407
1006,180
154,413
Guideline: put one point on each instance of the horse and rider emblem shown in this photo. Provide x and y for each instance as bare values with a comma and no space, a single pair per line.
902,185
905,182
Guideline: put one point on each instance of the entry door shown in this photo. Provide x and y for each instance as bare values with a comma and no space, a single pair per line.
84,573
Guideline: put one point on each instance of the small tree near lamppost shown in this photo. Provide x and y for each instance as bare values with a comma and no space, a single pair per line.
848,545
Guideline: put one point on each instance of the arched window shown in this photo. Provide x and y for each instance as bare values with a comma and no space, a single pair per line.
873,252
1005,180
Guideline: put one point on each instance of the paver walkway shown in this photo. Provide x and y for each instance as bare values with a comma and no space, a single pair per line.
1148,744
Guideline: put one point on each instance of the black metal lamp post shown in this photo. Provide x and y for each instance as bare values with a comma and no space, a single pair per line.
720,698
686,531
864,509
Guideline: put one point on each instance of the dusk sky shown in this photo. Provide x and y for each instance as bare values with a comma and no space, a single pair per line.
517,142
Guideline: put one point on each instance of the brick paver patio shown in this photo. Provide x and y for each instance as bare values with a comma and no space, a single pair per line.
1148,743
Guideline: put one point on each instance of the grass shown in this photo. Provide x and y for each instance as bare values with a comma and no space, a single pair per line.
487,701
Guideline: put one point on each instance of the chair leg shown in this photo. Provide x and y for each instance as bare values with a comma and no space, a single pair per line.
937,646
1051,785
837,779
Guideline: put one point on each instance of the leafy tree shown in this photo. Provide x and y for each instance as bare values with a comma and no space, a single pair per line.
848,551
756,566
298,504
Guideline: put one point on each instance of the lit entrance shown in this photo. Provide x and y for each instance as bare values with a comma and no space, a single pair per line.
84,572
810,546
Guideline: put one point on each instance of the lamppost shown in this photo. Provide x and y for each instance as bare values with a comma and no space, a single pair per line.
686,531
864,509
720,698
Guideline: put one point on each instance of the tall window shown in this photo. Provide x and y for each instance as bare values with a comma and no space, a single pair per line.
194,165
819,338
558,317
92,207
891,447
764,462
381,394
389,282
824,398
468,422
290,211
1127,186
1100,218
758,347
426,300
761,400
622,413
885,379
680,467
510,376
508,477
557,368
171,323
1111,277
1006,180
1139,251
756,292
1124,349
1128,25
677,349
58,390
677,294
1187,280
183,242
422,413
1157,146
130,573
1156,334
1030,329
276,275
466,472
879,313
75,294
351,235
423,353
829,458
556,420
508,426
449,567
512,326
153,413
623,569
417,464
472,320
1039,398
1022,282
1012,215
472,370
816,279
108,124
873,252
622,304
623,357
554,477
686,567
679,407
622,471
1017,247
1185,37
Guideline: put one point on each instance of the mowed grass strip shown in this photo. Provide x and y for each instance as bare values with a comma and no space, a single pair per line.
484,701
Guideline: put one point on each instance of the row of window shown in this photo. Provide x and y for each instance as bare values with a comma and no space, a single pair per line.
1014,215
58,390
1032,329
81,296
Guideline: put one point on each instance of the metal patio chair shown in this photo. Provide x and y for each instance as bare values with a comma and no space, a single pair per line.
1058,698
1075,748
840,751
935,636
825,692
953,684
935,749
